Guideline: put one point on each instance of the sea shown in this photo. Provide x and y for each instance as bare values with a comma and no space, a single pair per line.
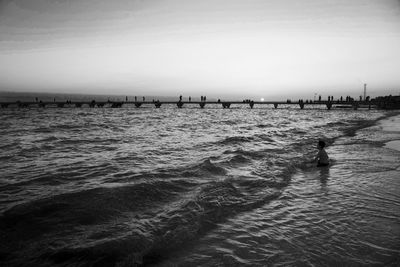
199,187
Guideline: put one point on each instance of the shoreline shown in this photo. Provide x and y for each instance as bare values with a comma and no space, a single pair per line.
395,145
392,125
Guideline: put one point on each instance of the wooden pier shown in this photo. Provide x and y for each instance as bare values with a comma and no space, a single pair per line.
181,104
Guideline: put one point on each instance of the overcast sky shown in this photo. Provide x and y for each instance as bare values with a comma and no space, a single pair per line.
259,48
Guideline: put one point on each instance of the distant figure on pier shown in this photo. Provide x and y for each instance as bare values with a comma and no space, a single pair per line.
126,99
54,100
37,100
322,157
143,99
205,98
190,99
180,98
201,98
319,98
135,98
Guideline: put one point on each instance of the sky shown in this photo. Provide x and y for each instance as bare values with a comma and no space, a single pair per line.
243,48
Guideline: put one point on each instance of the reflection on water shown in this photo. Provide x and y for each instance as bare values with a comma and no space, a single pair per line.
323,175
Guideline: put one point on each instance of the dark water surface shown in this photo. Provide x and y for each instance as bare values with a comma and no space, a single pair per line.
188,187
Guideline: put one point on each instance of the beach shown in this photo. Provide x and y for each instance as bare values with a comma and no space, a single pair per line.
392,125
190,187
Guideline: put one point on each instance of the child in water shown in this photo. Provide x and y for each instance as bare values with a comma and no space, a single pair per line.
322,157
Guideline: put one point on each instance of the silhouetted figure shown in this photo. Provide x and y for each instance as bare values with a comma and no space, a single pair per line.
190,99
143,99
341,98
126,99
201,98
219,100
322,157
205,98
36,99
180,98
135,98
319,98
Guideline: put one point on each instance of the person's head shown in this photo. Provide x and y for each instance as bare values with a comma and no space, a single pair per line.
321,144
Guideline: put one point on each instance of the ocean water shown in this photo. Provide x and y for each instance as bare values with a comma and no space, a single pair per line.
191,186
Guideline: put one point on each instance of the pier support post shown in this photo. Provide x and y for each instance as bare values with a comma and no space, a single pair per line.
78,105
116,105
42,105
226,105
329,105
60,105
275,105
157,104
138,105
301,104
355,105
179,104
251,104
202,104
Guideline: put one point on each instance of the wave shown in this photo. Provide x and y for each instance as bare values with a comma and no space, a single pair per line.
239,159
231,140
107,226
254,154
262,126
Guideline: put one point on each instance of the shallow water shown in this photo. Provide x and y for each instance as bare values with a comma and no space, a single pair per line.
197,187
